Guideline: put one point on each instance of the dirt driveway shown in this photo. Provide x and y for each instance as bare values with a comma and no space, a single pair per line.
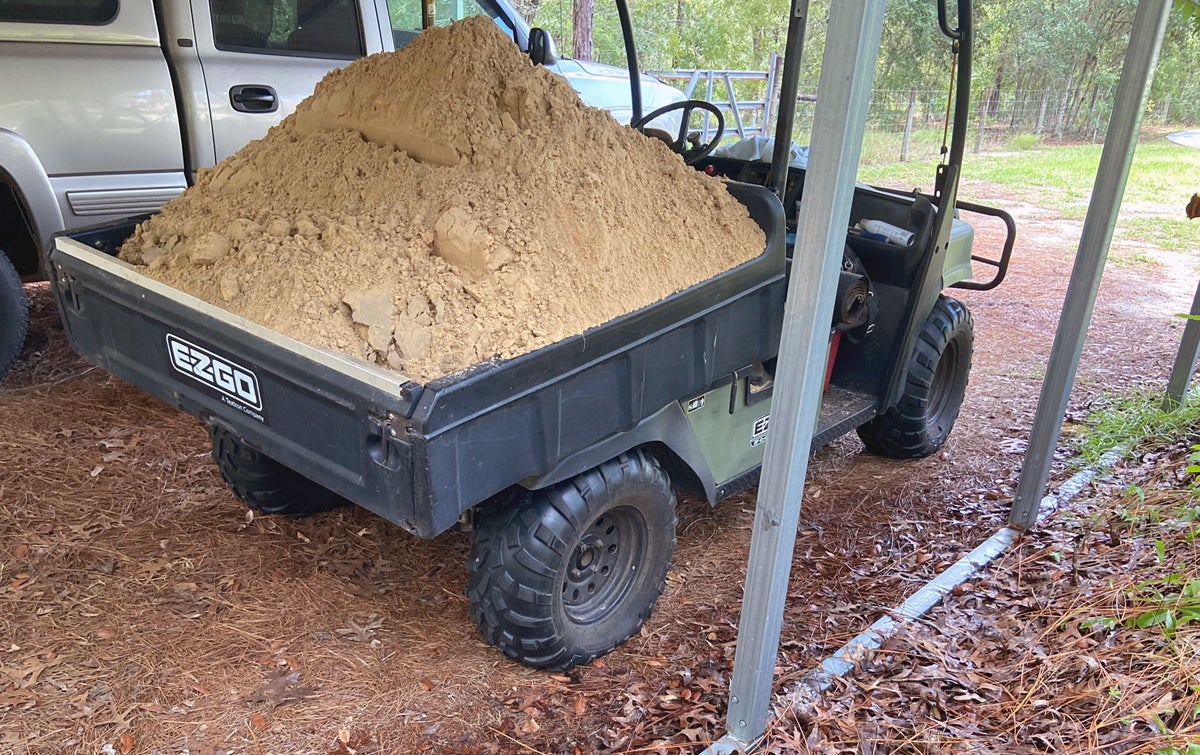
142,609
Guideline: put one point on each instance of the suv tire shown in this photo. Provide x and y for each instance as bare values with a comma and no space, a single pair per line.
14,314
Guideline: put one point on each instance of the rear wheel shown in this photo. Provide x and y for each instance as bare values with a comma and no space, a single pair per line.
14,314
264,484
933,393
560,576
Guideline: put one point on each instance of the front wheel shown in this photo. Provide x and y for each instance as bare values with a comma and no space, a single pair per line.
560,576
933,392
264,484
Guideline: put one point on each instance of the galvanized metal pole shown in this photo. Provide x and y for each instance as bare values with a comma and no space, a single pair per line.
1185,360
1140,58
847,72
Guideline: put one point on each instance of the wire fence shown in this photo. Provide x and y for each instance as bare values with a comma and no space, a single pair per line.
913,120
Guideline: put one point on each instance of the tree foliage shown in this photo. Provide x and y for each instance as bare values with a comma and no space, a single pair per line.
1072,48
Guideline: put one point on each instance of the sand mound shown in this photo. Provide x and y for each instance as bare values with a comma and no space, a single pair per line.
443,205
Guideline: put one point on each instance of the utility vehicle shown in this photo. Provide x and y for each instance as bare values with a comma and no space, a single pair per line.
565,461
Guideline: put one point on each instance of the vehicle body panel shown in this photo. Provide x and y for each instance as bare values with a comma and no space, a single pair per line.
120,117
20,166
134,24
291,75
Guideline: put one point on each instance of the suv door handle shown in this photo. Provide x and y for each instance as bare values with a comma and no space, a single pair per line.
253,98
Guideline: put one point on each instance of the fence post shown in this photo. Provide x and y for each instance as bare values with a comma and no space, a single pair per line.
983,108
774,63
734,106
1166,116
1042,114
1185,360
908,121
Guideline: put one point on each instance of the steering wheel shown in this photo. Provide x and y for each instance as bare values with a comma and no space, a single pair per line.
691,155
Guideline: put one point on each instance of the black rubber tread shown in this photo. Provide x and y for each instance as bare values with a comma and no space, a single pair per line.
522,551
914,429
14,315
264,484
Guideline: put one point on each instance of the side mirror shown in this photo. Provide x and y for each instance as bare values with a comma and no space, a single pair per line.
541,47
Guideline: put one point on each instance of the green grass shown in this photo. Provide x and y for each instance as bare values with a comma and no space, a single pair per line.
1133,260
1134,419
880,163
1054,177
1176,234
1022,142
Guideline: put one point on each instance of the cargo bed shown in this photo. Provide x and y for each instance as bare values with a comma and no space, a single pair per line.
422,454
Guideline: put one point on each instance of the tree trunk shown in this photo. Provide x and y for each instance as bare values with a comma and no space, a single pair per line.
581,29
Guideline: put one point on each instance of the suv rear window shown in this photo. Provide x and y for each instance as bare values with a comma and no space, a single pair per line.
93,12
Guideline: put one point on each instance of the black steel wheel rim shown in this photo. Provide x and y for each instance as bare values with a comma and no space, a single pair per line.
602,569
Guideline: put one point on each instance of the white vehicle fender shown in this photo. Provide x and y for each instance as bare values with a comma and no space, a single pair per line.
20,165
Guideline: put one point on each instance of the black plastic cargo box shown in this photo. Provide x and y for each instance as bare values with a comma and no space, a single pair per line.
420,455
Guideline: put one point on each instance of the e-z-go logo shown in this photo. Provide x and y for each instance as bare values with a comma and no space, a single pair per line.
224,375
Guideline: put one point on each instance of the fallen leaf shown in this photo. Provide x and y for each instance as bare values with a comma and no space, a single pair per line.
580,706
126,742
531,726
259,721
356,632
281,688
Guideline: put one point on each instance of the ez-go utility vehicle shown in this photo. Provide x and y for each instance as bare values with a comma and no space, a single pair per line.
564,460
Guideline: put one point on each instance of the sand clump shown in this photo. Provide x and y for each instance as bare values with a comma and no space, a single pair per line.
443,205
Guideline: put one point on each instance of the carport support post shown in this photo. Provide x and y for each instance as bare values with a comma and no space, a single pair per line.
1140,58
847,73
1185,360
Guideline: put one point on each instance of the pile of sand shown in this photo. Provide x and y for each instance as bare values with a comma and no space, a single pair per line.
443,205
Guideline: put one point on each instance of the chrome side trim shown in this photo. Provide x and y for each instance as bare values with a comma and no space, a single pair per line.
120,201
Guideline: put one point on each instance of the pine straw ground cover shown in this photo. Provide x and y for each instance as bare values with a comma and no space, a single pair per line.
1084,638
142,610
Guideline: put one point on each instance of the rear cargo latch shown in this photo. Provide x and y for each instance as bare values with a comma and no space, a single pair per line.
387,429
66,284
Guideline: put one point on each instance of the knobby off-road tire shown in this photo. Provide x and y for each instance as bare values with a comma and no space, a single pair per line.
560,576
264,484
14,314
937,380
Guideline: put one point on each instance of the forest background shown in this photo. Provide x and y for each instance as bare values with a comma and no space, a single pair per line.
1041,71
